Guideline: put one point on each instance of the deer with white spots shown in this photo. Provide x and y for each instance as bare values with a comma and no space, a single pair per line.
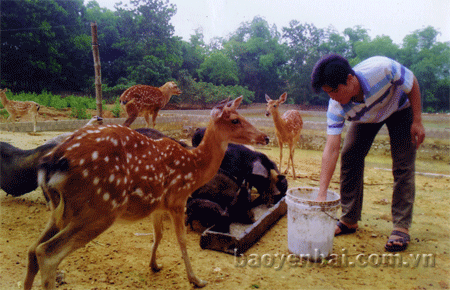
146,99
108,173
288,128
20,109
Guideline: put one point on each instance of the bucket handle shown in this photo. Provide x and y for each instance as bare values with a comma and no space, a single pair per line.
336,219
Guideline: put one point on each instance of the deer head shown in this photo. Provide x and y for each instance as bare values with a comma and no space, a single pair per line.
171,88
233,126
273,105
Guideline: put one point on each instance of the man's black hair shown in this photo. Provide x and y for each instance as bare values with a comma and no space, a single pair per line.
331,70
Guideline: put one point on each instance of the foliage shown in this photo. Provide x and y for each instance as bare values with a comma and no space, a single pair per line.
78,105
151,70
4,113
79,112
219,69
51,40
259,55
208,93
116,110
48,39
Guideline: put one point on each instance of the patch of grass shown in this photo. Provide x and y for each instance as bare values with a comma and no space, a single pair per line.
4,113
116,110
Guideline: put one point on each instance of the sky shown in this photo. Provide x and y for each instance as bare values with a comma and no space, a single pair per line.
393,18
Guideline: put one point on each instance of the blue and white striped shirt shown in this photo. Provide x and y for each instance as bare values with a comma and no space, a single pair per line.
385,84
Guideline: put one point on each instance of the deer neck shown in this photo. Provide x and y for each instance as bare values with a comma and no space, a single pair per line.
3,99
166,92
210,153
279,123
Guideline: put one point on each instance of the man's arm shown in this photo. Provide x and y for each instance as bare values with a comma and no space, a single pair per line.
329,159
417,129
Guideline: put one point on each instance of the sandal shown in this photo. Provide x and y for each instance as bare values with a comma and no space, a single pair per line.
404,239
344,229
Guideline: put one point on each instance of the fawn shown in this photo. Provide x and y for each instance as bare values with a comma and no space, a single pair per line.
107,173
146,99
19,109
288,128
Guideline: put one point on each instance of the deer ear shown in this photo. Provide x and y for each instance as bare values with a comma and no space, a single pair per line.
233,105
222,104
217,111
268,99
283,97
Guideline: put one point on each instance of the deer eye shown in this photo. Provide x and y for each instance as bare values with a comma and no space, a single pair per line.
235,121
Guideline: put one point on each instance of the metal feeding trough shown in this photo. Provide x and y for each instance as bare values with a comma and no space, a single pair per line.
241,237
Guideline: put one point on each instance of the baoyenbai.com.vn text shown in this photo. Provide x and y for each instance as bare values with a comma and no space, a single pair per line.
278,261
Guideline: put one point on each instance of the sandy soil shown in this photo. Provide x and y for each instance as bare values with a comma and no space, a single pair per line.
119,258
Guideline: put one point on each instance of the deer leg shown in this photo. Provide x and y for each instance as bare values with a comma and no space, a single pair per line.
11,118
291,157
132,113
180,230
280,144
34,121
147,119
33,266
155,114
74,236
157,235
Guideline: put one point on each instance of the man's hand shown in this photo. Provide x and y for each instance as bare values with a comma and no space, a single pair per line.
321,198
417,133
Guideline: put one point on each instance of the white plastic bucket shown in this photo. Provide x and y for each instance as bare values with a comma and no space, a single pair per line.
311,224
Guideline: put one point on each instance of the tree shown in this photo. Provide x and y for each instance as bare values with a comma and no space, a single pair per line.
354,35
108,36
193,53
259,55
44,45
426,37
151,70
303,41
219,70
430,62
145,30
380,45
334,43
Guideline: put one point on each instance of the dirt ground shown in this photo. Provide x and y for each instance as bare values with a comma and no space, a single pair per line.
119,258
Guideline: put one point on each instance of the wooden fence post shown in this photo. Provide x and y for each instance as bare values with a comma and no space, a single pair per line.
97,69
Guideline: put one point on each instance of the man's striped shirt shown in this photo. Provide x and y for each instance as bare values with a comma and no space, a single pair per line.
385,84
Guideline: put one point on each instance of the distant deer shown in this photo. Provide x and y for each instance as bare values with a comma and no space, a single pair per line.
108,173
288,128
146,99
19,109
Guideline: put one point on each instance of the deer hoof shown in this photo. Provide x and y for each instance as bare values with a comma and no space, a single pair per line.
156,267
198,283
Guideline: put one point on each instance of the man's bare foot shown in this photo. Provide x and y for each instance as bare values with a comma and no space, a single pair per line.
343,228
398,241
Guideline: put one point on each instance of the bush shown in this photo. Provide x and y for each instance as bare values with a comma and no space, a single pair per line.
79,112
208,93
4,113
78,102
116,110
430,110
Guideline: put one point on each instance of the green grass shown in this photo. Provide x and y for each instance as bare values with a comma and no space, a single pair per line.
78,104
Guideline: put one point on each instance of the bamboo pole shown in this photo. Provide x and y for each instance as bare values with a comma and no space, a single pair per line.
97,69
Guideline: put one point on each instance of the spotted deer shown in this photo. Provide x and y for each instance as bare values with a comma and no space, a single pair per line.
146,99
19,109
288,128
108,173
